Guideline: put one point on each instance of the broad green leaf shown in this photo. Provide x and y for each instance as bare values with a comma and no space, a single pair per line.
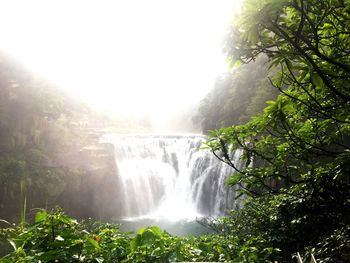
40,216
67,220
316,80
148,237
141,230
156,230
234,179
93,242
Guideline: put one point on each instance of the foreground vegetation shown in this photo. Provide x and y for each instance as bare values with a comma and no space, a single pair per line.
55,237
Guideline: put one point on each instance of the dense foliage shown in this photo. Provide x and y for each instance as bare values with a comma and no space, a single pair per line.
297,151
55,237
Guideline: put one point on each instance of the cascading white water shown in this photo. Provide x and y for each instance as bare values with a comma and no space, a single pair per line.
165,176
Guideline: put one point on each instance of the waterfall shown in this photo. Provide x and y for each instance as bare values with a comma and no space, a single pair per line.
170,176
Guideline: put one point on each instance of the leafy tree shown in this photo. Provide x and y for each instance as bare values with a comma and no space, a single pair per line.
297,150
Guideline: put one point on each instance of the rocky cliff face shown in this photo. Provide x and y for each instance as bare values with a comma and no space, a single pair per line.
93,191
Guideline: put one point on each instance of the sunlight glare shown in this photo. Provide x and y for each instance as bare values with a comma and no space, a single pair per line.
130,57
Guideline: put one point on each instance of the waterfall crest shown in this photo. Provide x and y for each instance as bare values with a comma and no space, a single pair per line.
167,176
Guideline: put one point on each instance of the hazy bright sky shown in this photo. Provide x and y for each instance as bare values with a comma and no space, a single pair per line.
141,57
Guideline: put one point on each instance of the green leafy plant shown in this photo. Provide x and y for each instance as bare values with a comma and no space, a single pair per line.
56,237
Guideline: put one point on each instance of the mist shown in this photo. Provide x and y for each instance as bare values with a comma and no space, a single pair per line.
74,73
126,58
